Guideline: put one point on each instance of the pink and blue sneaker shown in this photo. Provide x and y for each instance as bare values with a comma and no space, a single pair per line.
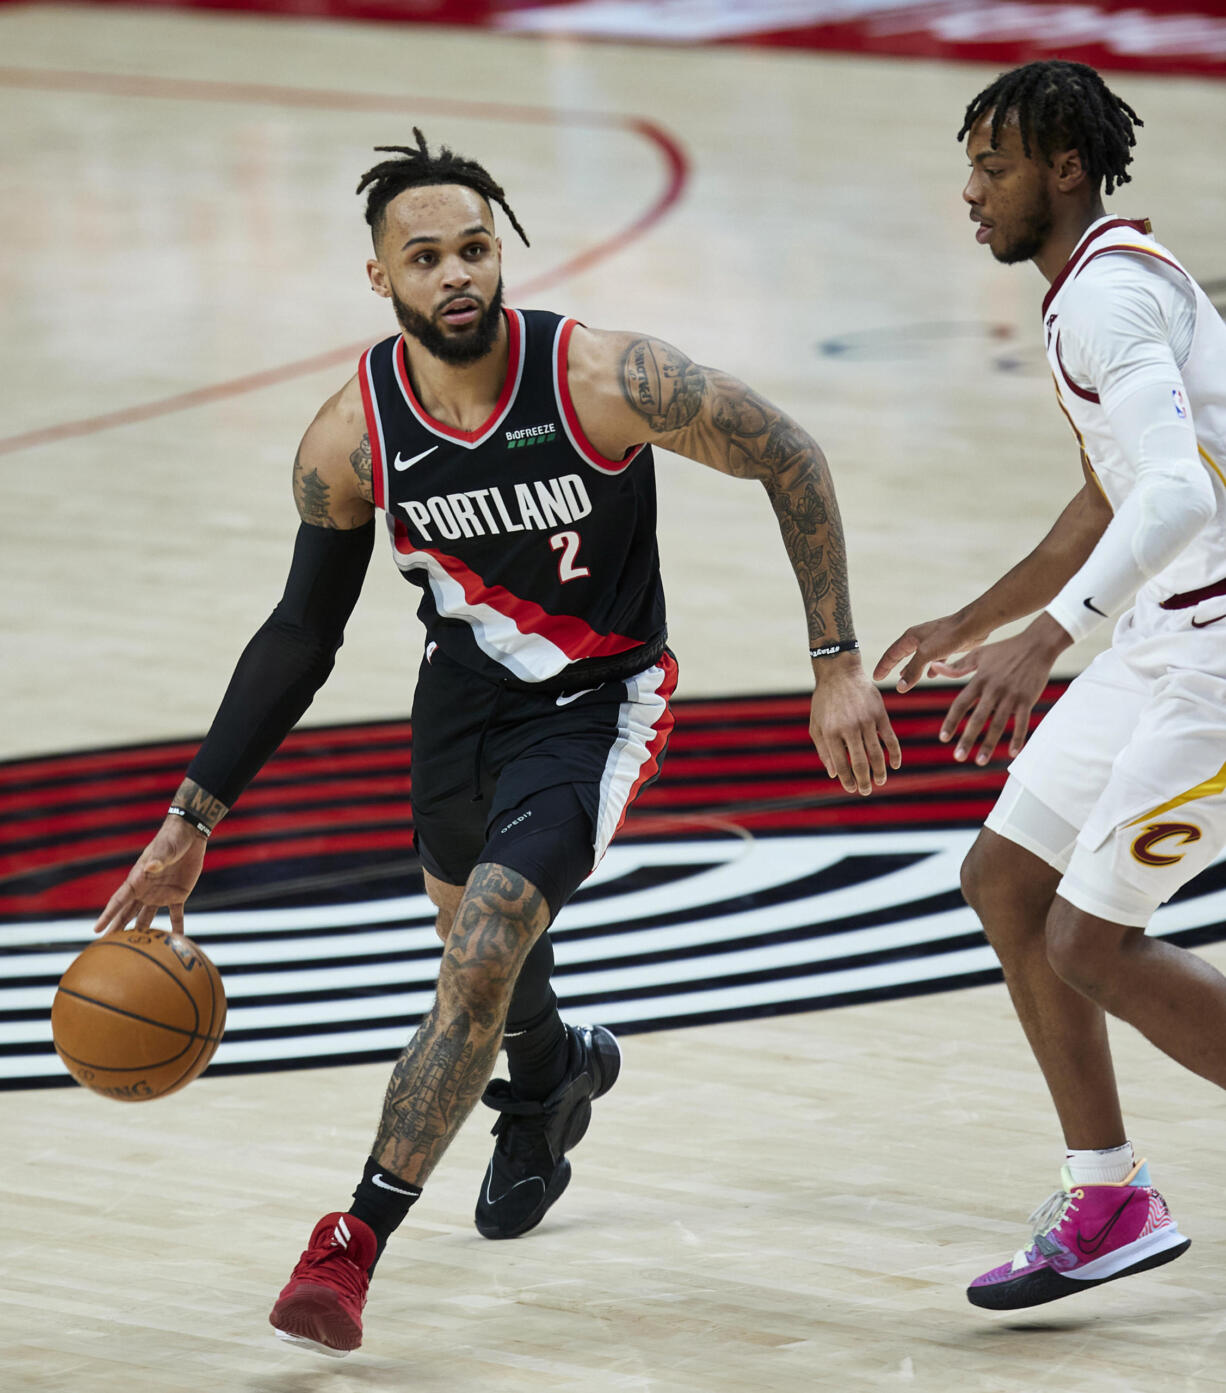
1084,1235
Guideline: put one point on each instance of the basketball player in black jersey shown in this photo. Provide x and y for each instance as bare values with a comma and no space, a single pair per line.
510,452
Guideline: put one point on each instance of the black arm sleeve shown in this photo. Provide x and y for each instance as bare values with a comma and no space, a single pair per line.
287,661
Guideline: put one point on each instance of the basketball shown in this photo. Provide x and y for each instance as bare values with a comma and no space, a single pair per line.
138,1015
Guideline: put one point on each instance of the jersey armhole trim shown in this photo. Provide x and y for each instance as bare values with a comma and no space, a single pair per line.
1081,444
570,417
1080,391
374,431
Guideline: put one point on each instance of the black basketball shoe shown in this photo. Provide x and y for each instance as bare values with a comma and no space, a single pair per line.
529,1169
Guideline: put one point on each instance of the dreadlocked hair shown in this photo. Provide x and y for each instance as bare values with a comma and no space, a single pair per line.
415,167
1062,106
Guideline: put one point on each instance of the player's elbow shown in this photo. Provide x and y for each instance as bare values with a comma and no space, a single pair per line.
1202,498
308,649
1173,510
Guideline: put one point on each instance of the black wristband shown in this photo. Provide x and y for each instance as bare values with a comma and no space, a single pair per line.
847,645
191,819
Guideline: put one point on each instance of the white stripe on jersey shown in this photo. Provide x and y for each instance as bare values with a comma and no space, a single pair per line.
374,406
530,657
636,729
582,447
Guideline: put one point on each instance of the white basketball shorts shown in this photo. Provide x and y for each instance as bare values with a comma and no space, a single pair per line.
1132,756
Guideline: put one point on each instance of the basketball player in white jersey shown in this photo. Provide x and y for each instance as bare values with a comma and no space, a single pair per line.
1118,798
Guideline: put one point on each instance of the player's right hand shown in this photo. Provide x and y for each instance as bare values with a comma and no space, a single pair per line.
164,876
928,643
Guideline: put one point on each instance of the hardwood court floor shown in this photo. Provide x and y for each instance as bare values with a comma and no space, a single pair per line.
788,1204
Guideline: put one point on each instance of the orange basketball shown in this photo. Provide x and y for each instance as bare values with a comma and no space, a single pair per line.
138,1014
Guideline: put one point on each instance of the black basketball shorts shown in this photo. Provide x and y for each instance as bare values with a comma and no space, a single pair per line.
536,782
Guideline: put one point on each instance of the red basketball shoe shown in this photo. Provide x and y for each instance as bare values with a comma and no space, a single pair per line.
320,1306
1084,1235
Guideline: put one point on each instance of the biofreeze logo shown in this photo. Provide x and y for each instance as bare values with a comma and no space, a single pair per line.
537,507
531,435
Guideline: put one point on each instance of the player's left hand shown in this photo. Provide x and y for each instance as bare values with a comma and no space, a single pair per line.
165,875
849,726
1008,679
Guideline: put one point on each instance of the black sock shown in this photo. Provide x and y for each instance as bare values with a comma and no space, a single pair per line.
535,1038
381,1201
537,1053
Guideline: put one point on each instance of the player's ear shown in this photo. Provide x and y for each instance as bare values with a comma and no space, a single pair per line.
1069,170
377,275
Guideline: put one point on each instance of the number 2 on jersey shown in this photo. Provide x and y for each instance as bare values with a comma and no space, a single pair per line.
568,544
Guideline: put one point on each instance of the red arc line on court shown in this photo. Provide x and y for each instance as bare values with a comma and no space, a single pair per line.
675,161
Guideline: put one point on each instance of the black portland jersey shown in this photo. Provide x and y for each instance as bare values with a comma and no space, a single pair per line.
532,550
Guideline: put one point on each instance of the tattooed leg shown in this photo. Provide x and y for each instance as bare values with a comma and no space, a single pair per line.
439,1078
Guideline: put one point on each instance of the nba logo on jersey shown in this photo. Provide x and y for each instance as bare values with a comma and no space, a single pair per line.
1181,406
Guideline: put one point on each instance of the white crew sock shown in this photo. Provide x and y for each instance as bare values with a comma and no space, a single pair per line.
1100,1167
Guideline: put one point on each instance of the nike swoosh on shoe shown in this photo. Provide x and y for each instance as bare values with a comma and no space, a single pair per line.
528,1180
1092,1244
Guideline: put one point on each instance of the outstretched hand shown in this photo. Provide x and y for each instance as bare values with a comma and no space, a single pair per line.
165,875
925,645
849,728
1008,679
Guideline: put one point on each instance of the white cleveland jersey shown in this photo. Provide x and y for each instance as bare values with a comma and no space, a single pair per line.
1120,259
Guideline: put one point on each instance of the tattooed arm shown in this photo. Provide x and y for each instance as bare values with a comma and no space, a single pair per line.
332,470
279,671
629,389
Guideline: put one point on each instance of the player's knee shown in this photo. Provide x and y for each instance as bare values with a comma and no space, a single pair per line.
999,884
1082,951
1070,954
485,950
443,923
988,876
987,881
480,989
975,879
446,899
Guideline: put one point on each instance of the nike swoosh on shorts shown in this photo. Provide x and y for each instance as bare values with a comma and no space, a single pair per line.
574,696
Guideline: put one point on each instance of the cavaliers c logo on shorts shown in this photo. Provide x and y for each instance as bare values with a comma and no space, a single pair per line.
1143,848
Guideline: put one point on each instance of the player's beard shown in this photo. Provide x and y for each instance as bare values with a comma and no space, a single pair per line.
1033,232
453,348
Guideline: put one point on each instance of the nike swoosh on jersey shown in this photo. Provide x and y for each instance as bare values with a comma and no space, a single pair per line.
1204,623
1093,1244
566,699
399,463
1089,604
